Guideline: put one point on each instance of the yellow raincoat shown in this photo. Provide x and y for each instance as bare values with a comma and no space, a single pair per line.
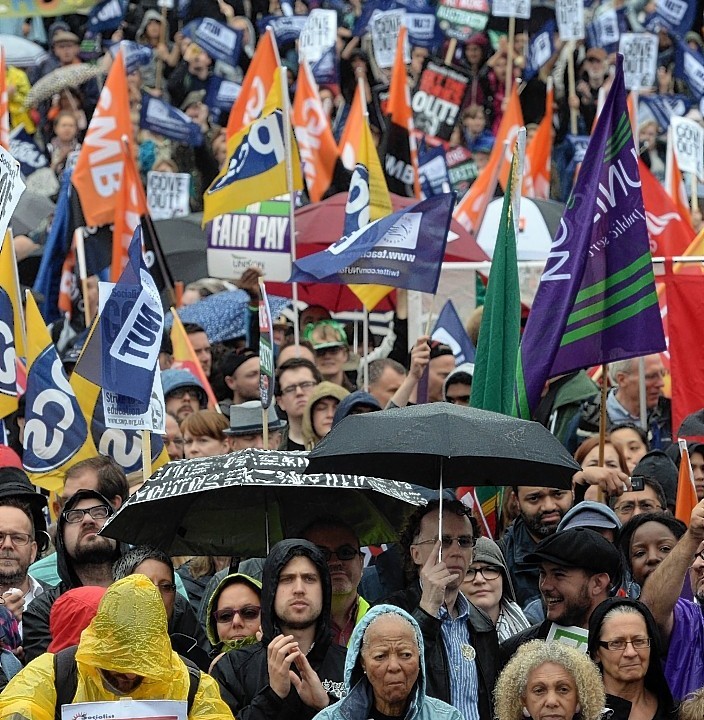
128,635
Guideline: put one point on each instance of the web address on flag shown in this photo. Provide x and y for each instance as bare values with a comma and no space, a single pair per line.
389,255
371,271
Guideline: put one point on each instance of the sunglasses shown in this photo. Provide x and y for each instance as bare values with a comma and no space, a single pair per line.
344,552
246,612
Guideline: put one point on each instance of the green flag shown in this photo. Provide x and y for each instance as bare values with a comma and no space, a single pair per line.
499,333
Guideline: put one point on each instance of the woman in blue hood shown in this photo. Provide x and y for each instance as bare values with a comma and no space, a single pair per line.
385,672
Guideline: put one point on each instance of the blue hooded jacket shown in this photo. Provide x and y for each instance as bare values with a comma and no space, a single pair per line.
359,699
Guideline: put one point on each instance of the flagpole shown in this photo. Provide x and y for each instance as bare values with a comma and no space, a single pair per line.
602,421
572,86
694,200
146,454
641,394
18,292
82,272
509,53
365,346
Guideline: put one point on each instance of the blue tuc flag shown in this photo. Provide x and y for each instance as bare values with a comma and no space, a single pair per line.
219,41
596,302
404,249
689,66
541,48
449,330
26,151
674,16
166,120
286,29
135,55
106,15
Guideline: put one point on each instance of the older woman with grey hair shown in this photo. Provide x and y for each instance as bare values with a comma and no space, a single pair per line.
385,672
549,679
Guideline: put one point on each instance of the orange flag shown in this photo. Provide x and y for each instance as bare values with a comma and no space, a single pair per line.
470,210
255,86
536,177
674,184
185,357
101,160
352,134
686,489
131,205
4,104
316,143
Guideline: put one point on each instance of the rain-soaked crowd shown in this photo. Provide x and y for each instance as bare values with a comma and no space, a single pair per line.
587,606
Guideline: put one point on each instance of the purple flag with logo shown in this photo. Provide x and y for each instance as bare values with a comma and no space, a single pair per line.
404,250
596,302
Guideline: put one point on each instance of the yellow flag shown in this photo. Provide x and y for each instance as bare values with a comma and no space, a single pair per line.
10,283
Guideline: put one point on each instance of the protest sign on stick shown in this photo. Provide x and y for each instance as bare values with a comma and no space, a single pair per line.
688,139
384,28
570,19
318,35
511,9
168,194
640,55
11,187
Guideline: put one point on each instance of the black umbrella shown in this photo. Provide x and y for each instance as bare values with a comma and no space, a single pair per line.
440,444
239,504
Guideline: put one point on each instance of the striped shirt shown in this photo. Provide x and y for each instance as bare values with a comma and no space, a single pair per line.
464,683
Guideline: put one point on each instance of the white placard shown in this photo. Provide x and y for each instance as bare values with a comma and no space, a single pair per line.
318,35
688,142
168,194
640,57
385,27
127,710
11,187
168,4
511,8
575,637
570,19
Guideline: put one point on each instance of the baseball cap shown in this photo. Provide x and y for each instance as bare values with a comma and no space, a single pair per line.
325,334
590,514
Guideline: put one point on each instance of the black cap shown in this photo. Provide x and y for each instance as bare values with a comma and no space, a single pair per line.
658,465
235,358
14,483
581,548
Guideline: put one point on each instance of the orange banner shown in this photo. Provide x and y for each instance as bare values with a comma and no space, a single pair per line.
536,177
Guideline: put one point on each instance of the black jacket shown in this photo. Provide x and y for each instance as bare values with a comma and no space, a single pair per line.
243,674
534,632
484,641
515,544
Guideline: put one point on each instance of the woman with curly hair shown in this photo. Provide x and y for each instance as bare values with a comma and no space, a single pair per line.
548,679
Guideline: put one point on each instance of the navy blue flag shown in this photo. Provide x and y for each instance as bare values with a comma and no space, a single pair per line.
131,325
606,28
674,16
404,249
361,24
135,55
27,152
286,29
432,168
221,96
449,330
57,246
325,71
219,41
541,48
662,107
423,30
166,120
106,16
689,66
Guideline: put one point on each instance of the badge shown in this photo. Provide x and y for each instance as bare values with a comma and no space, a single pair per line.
468,652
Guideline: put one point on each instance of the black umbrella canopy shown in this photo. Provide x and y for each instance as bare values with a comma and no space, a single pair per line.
422,443
242,503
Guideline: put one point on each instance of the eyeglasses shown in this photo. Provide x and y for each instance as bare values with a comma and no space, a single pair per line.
291,389
344,552
637,643
464,541
176,441
16,538
166,588
246,612
97,512
645,506
180,393
490,572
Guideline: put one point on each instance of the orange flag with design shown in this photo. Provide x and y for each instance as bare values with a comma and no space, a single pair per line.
101,161
674,184
536,177
316,143
255,86
686,489
4,104
130,207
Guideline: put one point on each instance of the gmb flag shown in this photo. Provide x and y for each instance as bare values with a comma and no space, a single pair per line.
404,249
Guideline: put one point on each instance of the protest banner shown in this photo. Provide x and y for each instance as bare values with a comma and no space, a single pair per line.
106,15
438,99
432,169
605,29
257,236
127,710
674,16
286,29
461,169
689,66
570,19
572,635
165,119
385,27
266,355
688,142
11,187
460,18
44,8
511,8
318,35
423,28
168,194
26,151
541,47
640,55
219,41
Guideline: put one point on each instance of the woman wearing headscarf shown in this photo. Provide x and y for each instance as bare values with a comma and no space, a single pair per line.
385,672
624,642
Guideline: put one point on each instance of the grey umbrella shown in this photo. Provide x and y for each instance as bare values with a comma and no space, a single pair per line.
21,52
32,209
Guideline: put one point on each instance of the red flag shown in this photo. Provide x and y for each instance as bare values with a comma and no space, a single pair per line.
316,143
101,160
686,489
255,86
536,176
4,104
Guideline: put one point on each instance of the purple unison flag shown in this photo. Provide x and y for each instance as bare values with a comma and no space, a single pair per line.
596,302
404,250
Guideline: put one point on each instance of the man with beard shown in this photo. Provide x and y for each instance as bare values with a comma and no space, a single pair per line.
340,546
295,670
83,558
578,568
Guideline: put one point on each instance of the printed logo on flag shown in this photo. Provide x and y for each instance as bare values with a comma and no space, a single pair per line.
8,371
51,414
404,234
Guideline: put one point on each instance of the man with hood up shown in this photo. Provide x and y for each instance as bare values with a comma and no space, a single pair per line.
125,651
296,670
83,558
